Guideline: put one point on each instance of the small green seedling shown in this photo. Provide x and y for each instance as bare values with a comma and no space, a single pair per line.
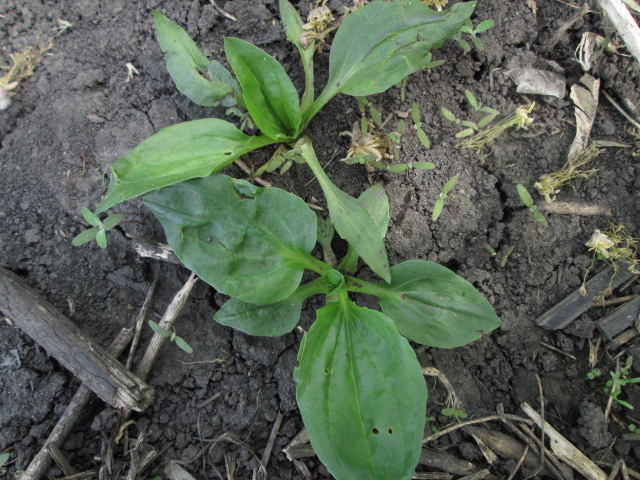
172,336
417,126
454,412
473,32
632,428
4,461
613,387
99,230
508,253
490,249
434,429
593,374
444,193
525,196
471,127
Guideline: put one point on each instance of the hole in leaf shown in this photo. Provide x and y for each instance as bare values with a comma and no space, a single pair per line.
375,431
228,154
390,431
326,370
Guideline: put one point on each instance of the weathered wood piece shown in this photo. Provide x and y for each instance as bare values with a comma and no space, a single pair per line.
618,320
41,462
565,450
66,342
565,312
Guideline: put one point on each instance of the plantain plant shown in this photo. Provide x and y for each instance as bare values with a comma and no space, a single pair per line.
360,388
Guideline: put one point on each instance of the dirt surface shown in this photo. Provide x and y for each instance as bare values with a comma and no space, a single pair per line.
79,112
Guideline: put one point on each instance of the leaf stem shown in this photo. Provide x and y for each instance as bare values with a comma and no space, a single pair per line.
362,286
307,65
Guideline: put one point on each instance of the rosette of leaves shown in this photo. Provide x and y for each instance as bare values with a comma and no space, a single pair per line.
374,48
360,388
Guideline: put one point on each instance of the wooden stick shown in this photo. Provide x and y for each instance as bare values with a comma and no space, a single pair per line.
66,342
76,407
564,450
169,317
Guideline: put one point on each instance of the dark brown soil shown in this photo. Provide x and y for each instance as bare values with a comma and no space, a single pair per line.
78,113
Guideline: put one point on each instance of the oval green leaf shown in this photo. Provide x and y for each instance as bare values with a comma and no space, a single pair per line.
270,320
524,195
186,64
424,140
85,237
269,95
351,219
381,43
253,248
433,306
361,394
175,154
437,209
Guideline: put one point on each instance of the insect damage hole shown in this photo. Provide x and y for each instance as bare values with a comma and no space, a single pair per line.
375,431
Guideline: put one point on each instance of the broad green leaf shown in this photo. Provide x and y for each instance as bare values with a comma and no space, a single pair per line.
101,238
270,320
350,219
158,329
437,209
464,44
400,168
381,43
374,199
187,65
269,95
91,218
255,248
448,115
486,120
484,26
112,220
183,345
472,99
291,22
415,112
424,140
525,196
175,154
423,165
478,43
433,306
449,185
85,237
361,394
465,133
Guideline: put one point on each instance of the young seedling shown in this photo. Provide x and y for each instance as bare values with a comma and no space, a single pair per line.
490,249
549,184
99,230
473,32
519,119
417,126
593,374
471,127
454,412
4,461
444,193
525,196
619,379
172,336
507,254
